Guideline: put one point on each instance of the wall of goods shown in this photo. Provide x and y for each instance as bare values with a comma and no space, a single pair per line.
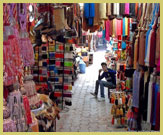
38,58
133,32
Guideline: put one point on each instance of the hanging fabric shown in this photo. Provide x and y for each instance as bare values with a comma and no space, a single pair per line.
132,9
96,18
114,27
150,43
119,27
124,34
122,9
89,12
127,8
116,9
107,27
108,8
102,12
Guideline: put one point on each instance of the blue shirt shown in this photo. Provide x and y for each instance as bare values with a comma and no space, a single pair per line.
109,76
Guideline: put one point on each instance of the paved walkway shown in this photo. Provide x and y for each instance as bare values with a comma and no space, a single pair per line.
87,114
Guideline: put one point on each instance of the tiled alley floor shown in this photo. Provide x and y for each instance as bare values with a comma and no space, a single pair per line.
87,114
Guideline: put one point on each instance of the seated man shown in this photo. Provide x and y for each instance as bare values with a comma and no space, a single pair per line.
110,76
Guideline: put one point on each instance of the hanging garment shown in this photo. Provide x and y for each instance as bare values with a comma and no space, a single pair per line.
135,52
157,45
141,95
91,28
102,11
139,15
111,28
141,22
127,8
126,26
148,11
116,9
147,47
145,100
152,27
114,27
122,8
124,34
157,89
107,27
152,48
150,87
158,65
89,12
136,86
142,48
132,9
154,104
96,17
119,27
157,123
108,8
136,9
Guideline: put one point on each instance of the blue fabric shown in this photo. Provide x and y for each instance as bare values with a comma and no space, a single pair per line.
90,21
123,27
123,45
86,10
109,76
89,12
92,10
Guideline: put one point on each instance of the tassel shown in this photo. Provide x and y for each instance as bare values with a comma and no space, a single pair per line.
119,121
123,99
117,112
121,112
122,121
113,121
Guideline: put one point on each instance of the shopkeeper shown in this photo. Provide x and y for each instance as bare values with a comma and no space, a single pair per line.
110,76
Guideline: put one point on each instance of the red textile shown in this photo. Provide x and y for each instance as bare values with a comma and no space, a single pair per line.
27,110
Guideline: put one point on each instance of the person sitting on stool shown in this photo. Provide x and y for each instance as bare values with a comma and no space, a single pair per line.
110,76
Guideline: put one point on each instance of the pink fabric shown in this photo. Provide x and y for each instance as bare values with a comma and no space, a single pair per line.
119,27
99,34
127,8
107,26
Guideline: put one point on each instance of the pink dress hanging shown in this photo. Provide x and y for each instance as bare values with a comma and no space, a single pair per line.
127,11
107,26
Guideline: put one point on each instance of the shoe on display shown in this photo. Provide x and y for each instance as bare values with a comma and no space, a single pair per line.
101,99
93,94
